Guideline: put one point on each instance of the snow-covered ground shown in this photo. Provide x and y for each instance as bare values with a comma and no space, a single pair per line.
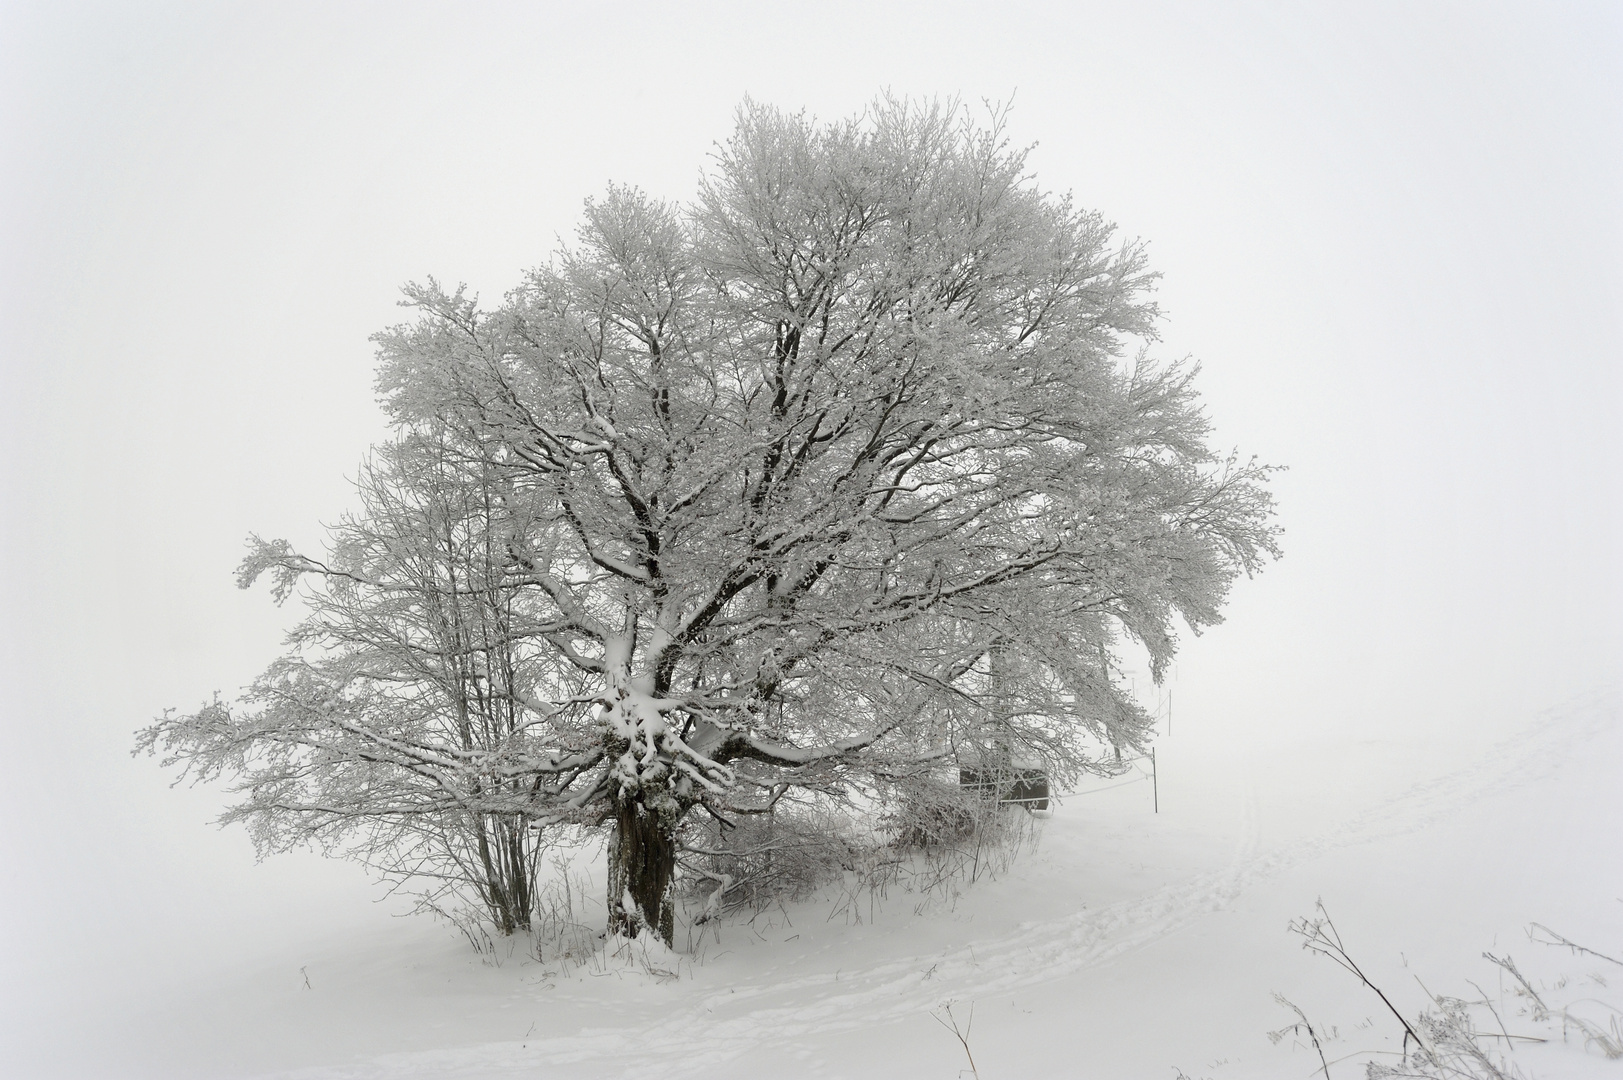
1122,943
1391,235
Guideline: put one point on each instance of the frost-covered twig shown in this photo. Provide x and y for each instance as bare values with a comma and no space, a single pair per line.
1557,939
1275,1036
1541,1011
1320,936
951,1024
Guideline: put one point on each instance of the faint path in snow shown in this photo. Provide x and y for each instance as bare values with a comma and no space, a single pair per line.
707,1027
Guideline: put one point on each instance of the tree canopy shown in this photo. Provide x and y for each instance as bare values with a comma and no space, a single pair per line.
854,465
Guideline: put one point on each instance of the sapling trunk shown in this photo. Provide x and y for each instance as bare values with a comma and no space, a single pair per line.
509,872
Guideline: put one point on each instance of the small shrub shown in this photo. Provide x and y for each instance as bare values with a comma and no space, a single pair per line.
1454,1039
762,859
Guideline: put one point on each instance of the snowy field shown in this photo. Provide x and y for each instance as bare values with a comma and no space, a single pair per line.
1391,235
1121,943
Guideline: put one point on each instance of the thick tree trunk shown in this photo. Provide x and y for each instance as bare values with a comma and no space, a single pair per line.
642,872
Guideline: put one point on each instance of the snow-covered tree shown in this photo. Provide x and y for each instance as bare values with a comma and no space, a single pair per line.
376,734
856,464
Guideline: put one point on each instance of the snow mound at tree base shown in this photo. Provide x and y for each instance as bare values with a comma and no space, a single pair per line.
644,954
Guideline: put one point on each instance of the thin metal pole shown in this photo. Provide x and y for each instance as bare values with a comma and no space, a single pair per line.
1155,780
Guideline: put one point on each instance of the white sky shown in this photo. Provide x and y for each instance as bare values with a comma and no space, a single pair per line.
1392,233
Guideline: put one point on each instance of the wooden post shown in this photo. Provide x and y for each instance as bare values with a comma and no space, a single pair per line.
1155,781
